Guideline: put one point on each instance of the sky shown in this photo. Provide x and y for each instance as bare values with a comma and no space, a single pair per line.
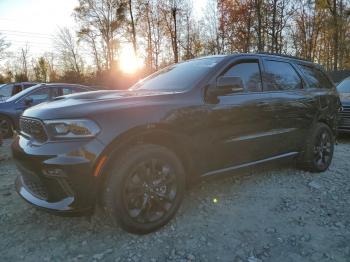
36,21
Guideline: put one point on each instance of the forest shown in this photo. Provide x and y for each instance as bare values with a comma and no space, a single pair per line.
152,34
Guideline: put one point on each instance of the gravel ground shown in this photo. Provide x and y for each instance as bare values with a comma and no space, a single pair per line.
268,215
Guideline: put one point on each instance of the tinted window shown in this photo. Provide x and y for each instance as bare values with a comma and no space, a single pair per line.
67,91
55,92
28,85
343,87
315,77
40,95
6,90
178,77
249,72
72,90
17,89
281,76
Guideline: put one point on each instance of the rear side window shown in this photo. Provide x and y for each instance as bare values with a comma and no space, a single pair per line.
17,89
281,76
72,90
315,77
249,72
67,91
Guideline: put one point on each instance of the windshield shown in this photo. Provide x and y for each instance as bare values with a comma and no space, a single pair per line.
23,93
178,77
344,86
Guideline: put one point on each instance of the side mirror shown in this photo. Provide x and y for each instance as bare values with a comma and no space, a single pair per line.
228,85
28,101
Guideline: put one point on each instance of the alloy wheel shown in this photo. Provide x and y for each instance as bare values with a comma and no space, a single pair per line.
150,191
323,149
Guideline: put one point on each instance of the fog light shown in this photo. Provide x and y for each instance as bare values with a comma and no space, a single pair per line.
54,172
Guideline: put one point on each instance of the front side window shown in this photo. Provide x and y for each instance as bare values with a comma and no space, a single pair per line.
55,92
6,90
281,76
249,72
315,77
40,95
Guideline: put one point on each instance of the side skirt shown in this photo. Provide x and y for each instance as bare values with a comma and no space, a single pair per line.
254,163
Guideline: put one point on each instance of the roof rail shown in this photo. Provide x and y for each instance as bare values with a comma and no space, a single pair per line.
282,55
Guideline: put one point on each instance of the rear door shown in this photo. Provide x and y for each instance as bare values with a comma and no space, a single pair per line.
323,92
291,106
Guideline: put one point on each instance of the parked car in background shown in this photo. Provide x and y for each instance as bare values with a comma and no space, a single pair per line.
344,114
134,151
12,108
10,89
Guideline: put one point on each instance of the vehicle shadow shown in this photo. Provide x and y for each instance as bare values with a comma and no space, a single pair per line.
343,138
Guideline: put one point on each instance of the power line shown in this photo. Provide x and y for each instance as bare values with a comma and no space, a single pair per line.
24,32
22,35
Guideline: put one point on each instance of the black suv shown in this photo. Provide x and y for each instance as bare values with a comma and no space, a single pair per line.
134,151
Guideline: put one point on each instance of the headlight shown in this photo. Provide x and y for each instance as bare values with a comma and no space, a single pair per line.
71,128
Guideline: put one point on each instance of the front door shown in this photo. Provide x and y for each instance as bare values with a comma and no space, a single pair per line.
236,121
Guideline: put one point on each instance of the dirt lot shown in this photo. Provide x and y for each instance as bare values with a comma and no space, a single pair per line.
280,215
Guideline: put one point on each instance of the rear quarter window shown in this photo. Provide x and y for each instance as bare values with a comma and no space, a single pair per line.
315,77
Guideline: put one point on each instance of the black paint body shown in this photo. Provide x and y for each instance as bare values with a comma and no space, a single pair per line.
210,135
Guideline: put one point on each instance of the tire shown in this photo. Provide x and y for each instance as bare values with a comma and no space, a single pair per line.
144,188
6,127
319,149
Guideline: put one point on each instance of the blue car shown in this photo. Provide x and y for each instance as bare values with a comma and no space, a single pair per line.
10,89
12,108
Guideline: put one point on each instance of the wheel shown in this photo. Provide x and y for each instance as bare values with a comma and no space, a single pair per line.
319,149
144,188
5,127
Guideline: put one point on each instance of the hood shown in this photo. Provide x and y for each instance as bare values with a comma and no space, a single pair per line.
3,99
112,94
88,103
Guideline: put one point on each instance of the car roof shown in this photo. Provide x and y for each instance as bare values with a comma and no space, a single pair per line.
68,85
268,55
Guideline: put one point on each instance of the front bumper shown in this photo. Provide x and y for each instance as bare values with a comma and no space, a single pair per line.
57,177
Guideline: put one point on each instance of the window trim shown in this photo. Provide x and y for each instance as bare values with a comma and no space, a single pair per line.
295,69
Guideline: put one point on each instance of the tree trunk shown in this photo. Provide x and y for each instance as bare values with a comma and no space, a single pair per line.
133,31
176,51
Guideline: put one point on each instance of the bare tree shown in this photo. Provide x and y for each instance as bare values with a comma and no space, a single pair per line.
67,49
132,24
24,58
104,18
3,46
91,38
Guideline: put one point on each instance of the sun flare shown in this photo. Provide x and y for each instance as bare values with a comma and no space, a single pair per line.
129,63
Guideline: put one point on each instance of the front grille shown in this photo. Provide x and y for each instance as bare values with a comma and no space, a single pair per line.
33,128
35,187
344,118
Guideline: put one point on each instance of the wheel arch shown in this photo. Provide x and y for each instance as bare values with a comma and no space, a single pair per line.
10,119
158,134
